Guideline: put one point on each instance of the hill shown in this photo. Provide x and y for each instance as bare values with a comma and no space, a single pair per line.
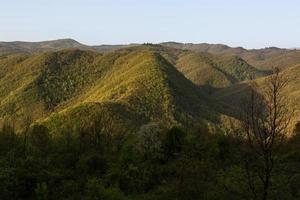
205,69
232,96
131,86
125,88
216,70
264,59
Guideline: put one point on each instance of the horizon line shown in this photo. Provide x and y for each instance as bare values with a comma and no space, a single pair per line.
141,43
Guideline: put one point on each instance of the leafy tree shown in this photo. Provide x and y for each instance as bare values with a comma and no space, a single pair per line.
41,191
40,139
96,191
297,128
172,142
149,141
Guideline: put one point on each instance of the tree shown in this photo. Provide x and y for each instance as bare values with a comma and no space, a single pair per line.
149,141
297,128
172,142
41,191
265,120
40,139
26,124
8,138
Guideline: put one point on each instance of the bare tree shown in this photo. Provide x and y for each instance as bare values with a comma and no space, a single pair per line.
265,119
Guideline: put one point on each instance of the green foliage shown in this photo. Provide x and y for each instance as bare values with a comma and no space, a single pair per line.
297,128
215,71
41,191
153,163
65,74
172,142
39,139
149,141
96,191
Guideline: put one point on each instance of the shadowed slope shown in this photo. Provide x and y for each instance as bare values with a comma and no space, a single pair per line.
232,96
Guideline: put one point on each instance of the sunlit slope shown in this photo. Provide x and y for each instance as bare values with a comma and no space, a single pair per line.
39,83
208,69
132,86
215,70
149,86
139,81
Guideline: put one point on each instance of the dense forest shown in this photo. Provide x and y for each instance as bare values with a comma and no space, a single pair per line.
154,163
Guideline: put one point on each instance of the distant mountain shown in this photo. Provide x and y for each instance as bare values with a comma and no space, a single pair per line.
205,47
264,59
7,48
108,48
34,47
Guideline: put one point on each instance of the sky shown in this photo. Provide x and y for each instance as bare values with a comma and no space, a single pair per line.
246,23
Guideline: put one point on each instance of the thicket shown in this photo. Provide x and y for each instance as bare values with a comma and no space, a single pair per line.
152,163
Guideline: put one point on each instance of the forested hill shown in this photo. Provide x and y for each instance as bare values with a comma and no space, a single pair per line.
147,82
131,86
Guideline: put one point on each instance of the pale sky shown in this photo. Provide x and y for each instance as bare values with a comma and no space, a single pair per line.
247,23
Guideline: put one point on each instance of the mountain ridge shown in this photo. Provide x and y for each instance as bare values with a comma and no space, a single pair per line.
263,59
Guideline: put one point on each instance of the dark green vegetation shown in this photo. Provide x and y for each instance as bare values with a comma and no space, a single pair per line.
152,163
139,122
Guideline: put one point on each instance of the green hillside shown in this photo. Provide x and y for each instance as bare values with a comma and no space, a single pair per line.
137,80
216,71
232,96
130,86
264,59
208,69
